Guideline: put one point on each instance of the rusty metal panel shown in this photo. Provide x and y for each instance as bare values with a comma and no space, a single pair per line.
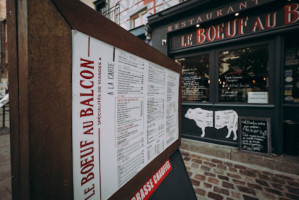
49,102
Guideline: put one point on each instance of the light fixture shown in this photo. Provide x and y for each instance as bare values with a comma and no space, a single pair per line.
164,42
237,14
197,25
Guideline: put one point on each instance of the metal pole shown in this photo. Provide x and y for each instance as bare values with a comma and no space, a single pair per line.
3,117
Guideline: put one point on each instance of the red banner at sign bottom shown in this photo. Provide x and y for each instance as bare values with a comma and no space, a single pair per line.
152,184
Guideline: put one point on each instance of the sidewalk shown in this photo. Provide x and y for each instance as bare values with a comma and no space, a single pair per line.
5,177
216,178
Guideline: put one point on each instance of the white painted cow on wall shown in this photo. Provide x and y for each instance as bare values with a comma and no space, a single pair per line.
224,118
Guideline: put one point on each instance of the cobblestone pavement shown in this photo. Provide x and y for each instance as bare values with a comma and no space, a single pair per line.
214,178
5,177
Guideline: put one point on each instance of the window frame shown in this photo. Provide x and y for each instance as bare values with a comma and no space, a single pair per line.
214,70
210,53
271,48
138,15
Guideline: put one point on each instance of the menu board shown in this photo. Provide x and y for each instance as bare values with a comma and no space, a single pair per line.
125,113
254,134
194,87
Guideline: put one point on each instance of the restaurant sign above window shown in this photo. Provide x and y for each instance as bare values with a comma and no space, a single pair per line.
240,26
217,13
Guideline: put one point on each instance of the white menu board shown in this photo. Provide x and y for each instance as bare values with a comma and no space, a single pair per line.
125,113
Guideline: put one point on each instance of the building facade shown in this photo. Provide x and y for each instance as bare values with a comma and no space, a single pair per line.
3,46
240,63
132,14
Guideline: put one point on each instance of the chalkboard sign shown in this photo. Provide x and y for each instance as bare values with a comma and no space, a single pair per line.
254,135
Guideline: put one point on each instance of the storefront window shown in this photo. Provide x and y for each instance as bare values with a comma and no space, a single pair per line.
195,81
291,70
244,75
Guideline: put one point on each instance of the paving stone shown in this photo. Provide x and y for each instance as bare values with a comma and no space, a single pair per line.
207,185
213,180
195,156
215,196
266,195
235,194
277,186
209,174
220,166
261,182
223,177
277,192
246,190
217,161
228,164
283,176
233,169
248,173
228,185
197,161
200,191
209,164
195,182
293,190
234,175
248,179
249,197
293,183
283,198
218,171
221,190
204,168
264,177
254,186
200,177
278,180
194,165
292,196
238,182
240,166
187,159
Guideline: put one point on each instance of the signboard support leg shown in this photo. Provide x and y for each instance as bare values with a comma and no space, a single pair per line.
3,129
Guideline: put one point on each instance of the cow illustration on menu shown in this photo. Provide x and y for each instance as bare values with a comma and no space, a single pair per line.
223,118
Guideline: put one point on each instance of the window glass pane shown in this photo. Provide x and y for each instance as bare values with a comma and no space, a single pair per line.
137,22
144,18
195,80
244,75
291,69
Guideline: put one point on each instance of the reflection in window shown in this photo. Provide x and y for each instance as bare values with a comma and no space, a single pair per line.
242,71
195,80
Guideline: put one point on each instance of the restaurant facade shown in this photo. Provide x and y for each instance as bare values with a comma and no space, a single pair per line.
240,62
